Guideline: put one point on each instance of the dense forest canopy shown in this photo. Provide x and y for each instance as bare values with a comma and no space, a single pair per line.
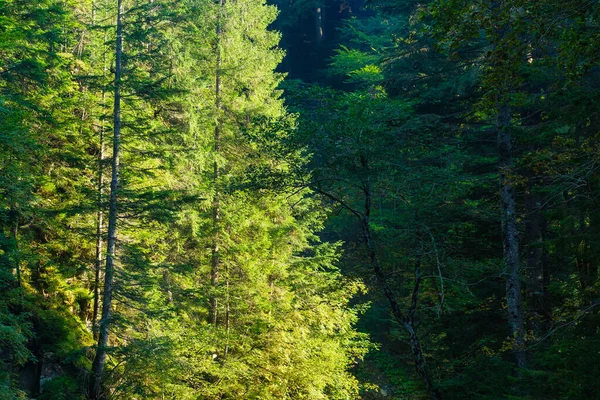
299,199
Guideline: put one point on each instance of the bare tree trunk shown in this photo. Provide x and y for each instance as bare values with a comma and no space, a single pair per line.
13,218
166,283
227,313
405,320
15,233
319,24
586,256
216,206
508,207
95,391
510,233
100,188
534,235
419,358
99,228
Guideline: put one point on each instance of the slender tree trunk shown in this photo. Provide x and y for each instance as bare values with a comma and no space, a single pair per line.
227,313
216,206
14,231
534,235
167,285
510,233
100,188
16,258
419,358
587,256
99,228
100,358
405,320
318,24
508,207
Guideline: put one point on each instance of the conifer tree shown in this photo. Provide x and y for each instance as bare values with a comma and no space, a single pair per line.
109,272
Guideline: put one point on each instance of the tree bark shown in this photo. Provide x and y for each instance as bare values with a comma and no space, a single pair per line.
95,391
405,320
510,232
100,214
318,24
586,256
13,218
15,235
535,224
227,313
216,205
99,239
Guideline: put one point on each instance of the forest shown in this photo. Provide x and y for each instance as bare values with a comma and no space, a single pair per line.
299,199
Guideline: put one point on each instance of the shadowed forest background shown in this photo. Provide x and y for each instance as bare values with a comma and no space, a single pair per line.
299,199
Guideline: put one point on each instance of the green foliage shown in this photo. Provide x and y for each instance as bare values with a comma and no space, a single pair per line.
415,123
272,191
361,68
286,324
62,388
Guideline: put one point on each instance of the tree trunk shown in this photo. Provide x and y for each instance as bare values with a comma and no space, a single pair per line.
100,214
419,358
216,206
534,235
510,232
227,313
166,283
318,24
406,321
16,255
99,227
100,358
587,256
13,218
